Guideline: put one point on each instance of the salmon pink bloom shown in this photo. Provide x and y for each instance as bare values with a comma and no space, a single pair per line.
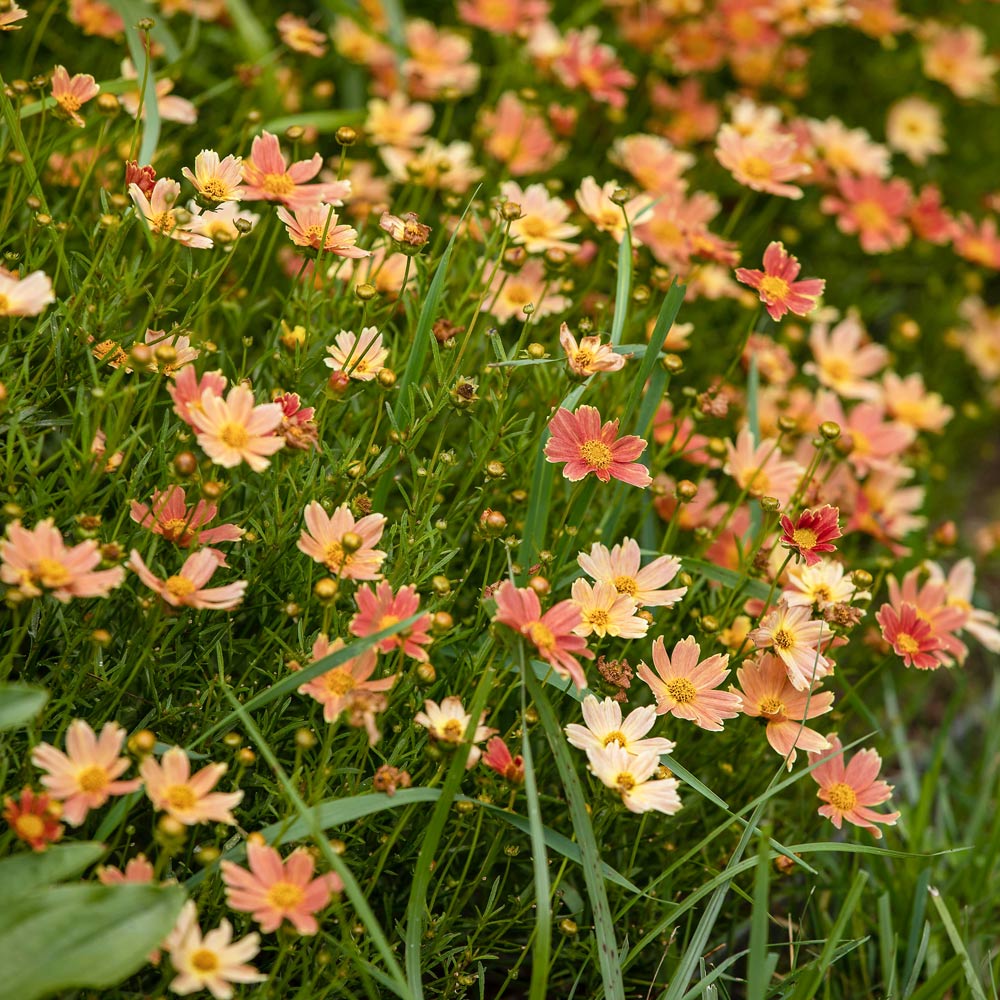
768,694
846,150
510,293
398,122
542,225
929,218
85,777
360,357
449,722
849,790
931,601
910,636
38,561
845,359
589,356
686,686
579,440
776,284
595,203
796,639
273,890
959,585
268,177
170,517
188,389
10,16
26,296
875,441
138,871
956,57
585,63
234,430
508,17
161,216
435,166
439,60
216,180
654,163
188,798
498,757
604,611
909,402
34,818
604,725
813,531
519,138
299,37
210,962
979,242
872,208
186,589
316,226
344,545
761,470
144,177
171,108
621,568
632,777
552,634
381,609
70,93
763,161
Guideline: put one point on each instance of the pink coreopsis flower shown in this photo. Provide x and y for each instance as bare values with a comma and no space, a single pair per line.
143,177
34,818
299,37
37,561
70,93
518,137
216,180
910,636
161,216
381,609
234,430
686,686
344,545
396,121
187,391
977,242
605,611
273,890
449,722
435,166
956,57
85,777
795,638
632,777
542,225
621,567
268,177
337,688
585,63
10,17
589,355
186,589
874,209
930,598
959,586
26,296
776,284
316,226
605,725
170,107
768,694
509,293
850,789
359,357
875,441
761,470
812,531
654,163
507,17
579,440
138,871
552,634
183,354
439,60
499,759
188,798
842,150
763,161
930,220
845,360
909,402
595,203
170,517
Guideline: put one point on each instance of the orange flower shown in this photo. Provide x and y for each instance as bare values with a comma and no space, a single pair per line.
34,818
188,799
187,589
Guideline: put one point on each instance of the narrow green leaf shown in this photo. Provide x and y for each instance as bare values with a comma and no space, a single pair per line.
728,577
322,121
19,704
887,943
22,873
957,943
758,972
255,40
623,287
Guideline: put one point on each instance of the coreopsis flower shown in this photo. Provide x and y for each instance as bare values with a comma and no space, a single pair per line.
138,871
161,216
216,180
596,203
71,92
875,441
408,232
299,37
508,18
908,401
632,777
34,817
844,150
931,602
913,127
499,759
186,588
761,469
605,725
542,224
86,775
849,789
585,63
685,686
179,343
381,608
552,634
519,137
10,17
439,60
930,220
170,517
813,531
316,226
37,561
763,161
910,636
585,446
795,638
220,224
212,961
959,586
956,57
657,166
604,611
977,242
621,567
234,430
188,798
768,694
273,891
776,284
449,722
844,360
170,107
187,391
434,166
344,545
872,208
589,356
820,585
508,294
298,424
269,177
26,296
396,121
359,357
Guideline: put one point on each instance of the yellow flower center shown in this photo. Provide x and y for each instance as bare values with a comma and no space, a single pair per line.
163,222
92,778
541,635
598,618
279,184
804,538
387,621
30,826
234,435
616,736
179,586
334,556
772,706
533,225
215,189
682,690
783,639
180,797
837,369
821,594
339,682
773,287
841,796
626,585
4,305
583,358
907,643
52,573
596,454
285,895
625,782
69,102
205,961
871,215
452,731
756,168
177,530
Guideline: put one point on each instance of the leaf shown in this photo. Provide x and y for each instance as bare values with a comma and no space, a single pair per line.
322,121
727,577
957,943
87,934
22,873
19,704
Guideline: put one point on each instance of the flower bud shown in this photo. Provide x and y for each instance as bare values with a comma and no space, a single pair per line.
346,136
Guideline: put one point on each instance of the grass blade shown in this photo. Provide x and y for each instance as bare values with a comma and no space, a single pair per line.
957,943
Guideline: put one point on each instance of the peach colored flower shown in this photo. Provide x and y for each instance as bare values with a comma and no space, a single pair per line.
776,284
360,357
397,121
909,402
138,871
273,891
632,777
873,209
34,818
382,608
542,225
506,17
85,777
845,360
604,611
234,430
910,636
763,161
188,798
188,389
11,15
605,725
337,688
820,585
589,356
439,60
956,57
186,589
170,107
327,539
761,470
977,242
846,150
768,694
654,163
299,37
578,440
26,296
959,586
850,789
214,179
449,722
161,216
316,226
170,517
621,567
509,293
587,64
796,639
685,686
37,561
269,177
70,93
518,137
434,166
595,203
184,353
